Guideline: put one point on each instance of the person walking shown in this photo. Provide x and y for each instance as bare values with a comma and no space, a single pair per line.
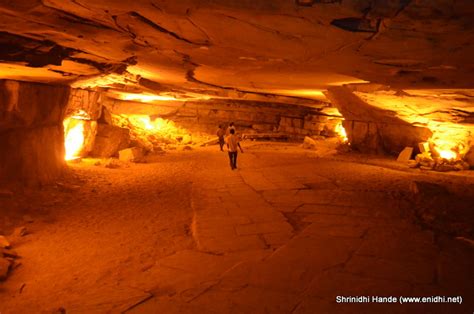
221,135
230,127
233,144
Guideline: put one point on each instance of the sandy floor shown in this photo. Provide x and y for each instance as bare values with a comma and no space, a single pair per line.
286,232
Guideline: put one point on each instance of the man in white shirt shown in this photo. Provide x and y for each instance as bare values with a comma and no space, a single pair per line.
232,146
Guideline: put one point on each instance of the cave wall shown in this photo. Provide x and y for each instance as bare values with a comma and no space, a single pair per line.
374,130
250,117
31,131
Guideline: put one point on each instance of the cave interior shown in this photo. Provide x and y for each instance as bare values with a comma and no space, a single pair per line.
356,122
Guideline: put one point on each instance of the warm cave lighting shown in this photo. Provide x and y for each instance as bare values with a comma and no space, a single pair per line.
74,139
447,154
341,132
146,97
450,142
144,122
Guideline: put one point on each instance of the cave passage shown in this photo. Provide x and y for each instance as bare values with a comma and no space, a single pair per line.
218,156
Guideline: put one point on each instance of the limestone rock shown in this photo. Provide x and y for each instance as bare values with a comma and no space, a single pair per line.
424,147
405,154
309,143
133,154
84,100
32,155
372,129
31,105
110,140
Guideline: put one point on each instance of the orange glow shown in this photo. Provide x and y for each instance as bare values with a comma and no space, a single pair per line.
451,138
451,141
157,125
341,133
74,139
146,97
447,154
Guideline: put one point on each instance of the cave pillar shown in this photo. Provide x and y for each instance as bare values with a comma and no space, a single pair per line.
371,129
31,131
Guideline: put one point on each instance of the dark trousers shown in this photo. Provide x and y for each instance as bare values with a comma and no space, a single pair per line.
221,142
233,159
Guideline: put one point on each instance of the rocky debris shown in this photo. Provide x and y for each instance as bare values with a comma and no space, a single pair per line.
309,143
405,154
426,162
110,140
134,154
113,163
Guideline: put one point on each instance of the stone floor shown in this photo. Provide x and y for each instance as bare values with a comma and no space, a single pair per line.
288,233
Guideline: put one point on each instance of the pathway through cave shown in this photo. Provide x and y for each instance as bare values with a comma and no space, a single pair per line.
285,233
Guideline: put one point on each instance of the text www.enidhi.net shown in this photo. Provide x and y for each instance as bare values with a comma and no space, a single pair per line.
434,299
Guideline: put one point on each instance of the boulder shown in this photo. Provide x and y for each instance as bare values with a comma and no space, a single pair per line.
309,143
110,140
405,154
133,154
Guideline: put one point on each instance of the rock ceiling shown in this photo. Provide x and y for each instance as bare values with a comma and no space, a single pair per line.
237,48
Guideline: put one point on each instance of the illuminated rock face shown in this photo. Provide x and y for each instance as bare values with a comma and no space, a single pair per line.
31,131
372,129
250,117
249,53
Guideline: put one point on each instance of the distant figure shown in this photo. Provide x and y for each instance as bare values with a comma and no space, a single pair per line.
232,146
221,135
230,127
